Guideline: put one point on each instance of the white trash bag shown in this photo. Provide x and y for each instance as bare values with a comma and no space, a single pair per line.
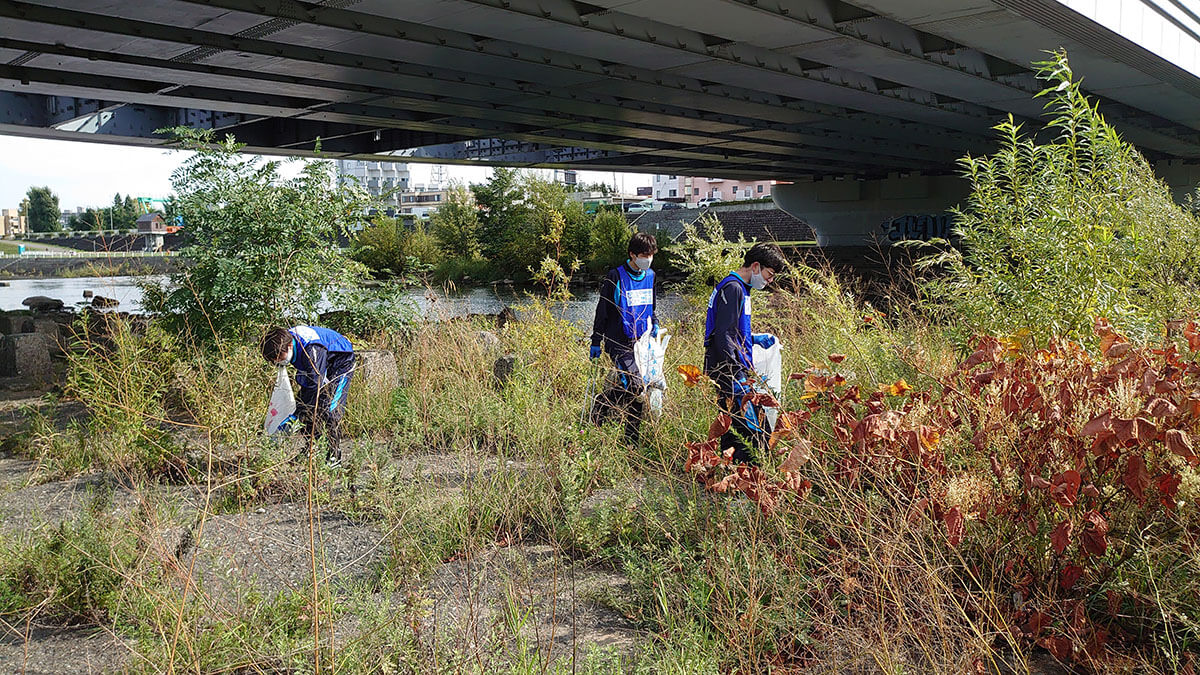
283,403
649,355
768,365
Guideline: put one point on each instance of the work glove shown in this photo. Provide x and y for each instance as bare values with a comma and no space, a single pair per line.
290,424
741,387
654,331
764,340
594,353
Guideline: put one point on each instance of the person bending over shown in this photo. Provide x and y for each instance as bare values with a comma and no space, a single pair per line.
324,362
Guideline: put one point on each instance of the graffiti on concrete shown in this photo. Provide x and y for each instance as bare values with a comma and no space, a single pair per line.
923,227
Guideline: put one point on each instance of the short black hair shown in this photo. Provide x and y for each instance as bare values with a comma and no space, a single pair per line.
275,344
766,254
643,244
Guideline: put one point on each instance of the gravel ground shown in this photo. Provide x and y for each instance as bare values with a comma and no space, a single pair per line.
267,550
51,651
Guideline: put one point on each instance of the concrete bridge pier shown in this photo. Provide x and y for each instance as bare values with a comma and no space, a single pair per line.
857,212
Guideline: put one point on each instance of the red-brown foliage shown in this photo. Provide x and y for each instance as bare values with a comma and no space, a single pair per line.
1081,460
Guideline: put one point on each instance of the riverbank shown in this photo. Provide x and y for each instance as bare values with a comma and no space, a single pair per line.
46,266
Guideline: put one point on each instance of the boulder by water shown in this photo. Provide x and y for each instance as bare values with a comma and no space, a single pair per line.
101,302
40,303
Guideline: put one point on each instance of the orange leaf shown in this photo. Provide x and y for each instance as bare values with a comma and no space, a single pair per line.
899,388
1192,333
692,375
837,358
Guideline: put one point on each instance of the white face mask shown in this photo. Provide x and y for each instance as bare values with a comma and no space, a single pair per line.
287,358
757,282
643,264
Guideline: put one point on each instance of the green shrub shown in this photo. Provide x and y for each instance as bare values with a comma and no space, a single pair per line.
380,246
612,234
264,248
705,256
1056,234
456,223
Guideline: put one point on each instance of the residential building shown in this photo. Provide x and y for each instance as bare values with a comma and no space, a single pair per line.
420,202
152,223
12,223
383,180
65,218
673,188
732,190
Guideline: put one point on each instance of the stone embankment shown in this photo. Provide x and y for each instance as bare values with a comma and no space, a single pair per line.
25,267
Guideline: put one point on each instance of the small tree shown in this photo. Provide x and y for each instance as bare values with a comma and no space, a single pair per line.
612,232
705,255
456,223
42,212
264,249
380,246
1059,233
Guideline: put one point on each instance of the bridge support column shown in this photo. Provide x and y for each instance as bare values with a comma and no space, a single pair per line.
853,212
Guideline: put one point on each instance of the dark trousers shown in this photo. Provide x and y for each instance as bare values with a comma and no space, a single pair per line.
324,418
750,431
622,398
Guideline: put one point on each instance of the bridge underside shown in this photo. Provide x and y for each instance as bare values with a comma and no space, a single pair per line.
732,88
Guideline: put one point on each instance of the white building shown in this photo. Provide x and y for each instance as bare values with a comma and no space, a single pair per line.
673,188
384,180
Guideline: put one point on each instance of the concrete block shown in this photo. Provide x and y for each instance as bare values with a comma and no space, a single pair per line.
25,355
376,371
16,321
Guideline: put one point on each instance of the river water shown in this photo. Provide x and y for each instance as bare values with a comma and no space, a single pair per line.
429,303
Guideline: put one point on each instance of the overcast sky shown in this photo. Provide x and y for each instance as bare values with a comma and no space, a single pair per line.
89,174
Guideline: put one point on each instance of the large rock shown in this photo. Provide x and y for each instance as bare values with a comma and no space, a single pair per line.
488,340
40,303
101,302
376,370
25,355
503,368
16,321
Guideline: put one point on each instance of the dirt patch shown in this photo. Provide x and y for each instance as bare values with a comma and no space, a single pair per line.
50,504
52,651
531,595
268,550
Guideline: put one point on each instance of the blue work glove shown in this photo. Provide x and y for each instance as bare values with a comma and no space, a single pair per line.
764,340
594,353
741,387
654,331
289,424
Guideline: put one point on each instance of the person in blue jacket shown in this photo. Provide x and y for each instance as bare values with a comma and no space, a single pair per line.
624,312
728,348
324,362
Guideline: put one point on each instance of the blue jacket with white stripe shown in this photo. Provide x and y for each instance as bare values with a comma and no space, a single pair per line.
322,358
